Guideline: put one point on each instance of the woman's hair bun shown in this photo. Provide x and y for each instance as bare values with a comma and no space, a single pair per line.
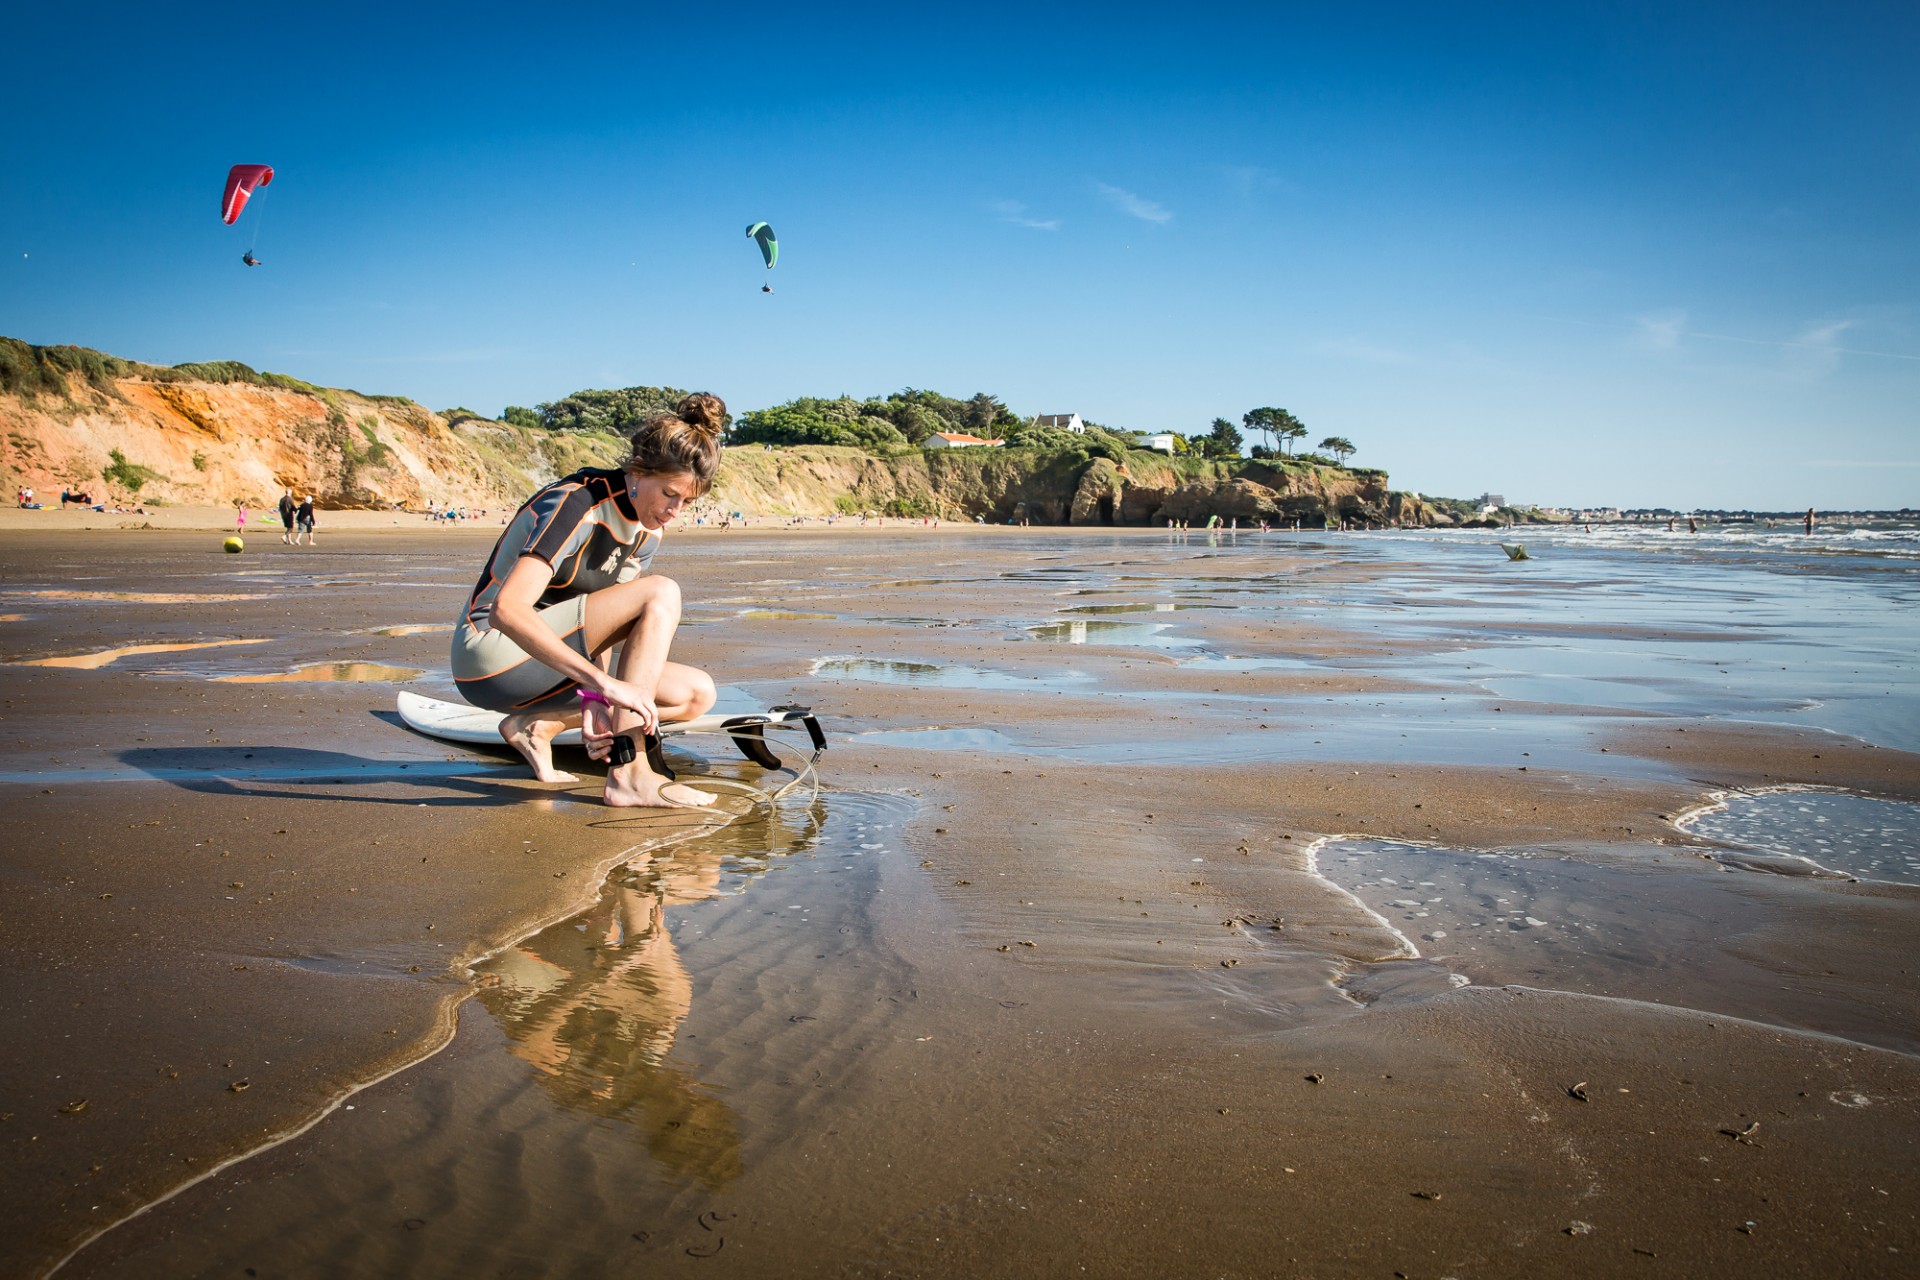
704,412
688,439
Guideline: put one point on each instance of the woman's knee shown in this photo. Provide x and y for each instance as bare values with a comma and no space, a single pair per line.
687,691
659,591
702,692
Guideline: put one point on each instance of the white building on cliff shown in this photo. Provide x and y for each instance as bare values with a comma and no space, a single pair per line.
957,440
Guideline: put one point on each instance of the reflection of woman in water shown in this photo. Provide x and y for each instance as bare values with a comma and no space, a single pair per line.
567,582
596,1011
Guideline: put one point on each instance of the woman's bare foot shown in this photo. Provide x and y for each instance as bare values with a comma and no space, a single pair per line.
531,734
634,786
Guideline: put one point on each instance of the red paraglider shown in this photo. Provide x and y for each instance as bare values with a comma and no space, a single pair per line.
241,180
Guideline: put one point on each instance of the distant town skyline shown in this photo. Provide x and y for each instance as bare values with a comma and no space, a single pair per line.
1621,256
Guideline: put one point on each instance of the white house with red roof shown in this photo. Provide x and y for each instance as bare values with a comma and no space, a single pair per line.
957,440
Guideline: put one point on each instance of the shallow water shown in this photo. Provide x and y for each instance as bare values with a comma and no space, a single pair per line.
934,675
1658,925
1157,635
1853,835
614,1076
1230,729
1748,626
1164,606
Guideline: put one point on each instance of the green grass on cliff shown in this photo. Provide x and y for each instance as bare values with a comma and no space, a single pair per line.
48,373
34,372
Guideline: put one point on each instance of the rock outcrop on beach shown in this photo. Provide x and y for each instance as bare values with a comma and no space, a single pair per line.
224,434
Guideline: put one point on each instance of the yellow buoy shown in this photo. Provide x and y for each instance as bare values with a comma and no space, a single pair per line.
234,546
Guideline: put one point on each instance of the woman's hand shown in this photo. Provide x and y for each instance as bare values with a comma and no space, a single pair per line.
597,724
596,728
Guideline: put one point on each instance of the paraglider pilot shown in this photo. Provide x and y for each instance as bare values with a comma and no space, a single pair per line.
249,259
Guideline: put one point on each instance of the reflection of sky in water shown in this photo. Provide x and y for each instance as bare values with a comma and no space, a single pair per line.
1157,635
1854,835
1253,664
1158,606
931,675
1761,627
1413,729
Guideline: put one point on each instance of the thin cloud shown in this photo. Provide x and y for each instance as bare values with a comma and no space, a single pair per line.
1665,330
1249,180
1662,330
1016,213
1135,206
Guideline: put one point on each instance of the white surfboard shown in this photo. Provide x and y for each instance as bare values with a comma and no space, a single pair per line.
459,722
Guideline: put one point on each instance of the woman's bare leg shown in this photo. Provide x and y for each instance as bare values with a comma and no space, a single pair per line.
645,613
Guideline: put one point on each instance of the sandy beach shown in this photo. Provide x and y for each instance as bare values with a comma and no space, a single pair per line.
1172,905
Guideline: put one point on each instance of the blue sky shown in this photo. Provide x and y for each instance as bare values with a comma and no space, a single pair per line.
1641,254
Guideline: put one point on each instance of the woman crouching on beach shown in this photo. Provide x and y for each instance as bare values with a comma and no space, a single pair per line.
567,582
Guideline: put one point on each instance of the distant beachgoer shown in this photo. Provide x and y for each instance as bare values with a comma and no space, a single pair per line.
240,519
287,508
1809,519
566,583
303,522
1691,526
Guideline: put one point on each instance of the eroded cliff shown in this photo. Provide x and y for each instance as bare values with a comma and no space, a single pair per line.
224,435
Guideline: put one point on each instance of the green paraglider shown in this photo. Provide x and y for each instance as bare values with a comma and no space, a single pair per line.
762,234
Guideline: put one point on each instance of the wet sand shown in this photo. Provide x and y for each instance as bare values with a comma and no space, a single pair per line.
1064,969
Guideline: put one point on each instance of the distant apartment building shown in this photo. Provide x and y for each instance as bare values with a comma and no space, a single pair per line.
957,440
1491,500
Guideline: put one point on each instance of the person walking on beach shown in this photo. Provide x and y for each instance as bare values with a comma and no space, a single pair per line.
566,583
303,522
240,519
286,515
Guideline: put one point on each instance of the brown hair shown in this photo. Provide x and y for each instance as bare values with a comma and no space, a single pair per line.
688,439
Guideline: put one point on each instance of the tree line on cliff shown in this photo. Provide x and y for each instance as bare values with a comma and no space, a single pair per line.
907,418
